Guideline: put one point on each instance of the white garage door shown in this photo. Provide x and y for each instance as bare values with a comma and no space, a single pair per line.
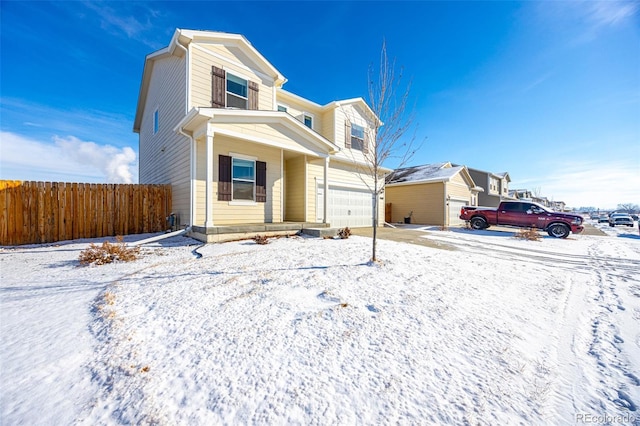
347,207
454,212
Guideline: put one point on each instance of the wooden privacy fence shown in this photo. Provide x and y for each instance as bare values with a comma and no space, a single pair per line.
46,212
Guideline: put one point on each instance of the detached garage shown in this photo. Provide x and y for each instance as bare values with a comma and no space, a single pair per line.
431,194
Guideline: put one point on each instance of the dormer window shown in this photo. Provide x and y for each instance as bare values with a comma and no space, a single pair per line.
308,121
236,92
357,137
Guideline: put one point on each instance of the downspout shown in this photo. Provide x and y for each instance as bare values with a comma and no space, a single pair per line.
192,161
192,172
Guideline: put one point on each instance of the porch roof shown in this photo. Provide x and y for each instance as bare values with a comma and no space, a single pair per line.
255,126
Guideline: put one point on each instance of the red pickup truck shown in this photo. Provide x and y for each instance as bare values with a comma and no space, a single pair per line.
523,214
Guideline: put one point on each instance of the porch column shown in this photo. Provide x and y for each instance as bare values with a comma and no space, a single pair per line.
325,194
208,221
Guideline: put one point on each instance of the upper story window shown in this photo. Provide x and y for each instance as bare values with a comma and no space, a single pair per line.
231,91
156,121
236,92
308,121
357,137
282,108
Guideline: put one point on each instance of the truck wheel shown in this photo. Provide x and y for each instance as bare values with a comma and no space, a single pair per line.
478,223
558,230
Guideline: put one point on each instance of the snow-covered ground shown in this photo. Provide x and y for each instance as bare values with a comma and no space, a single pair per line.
486,329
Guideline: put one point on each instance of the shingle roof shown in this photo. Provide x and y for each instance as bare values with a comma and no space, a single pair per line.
426,173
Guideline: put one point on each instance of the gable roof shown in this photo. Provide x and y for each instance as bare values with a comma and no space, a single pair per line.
429,173
423,173
180,40
296,130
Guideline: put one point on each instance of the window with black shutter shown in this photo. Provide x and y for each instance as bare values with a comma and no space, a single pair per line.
240,179
231,91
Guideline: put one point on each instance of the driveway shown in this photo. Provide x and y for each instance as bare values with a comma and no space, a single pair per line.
414,234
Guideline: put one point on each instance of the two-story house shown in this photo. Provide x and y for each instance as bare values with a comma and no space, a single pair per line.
495,185
214,122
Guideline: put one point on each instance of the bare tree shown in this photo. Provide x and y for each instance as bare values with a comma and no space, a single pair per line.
628,207
384,136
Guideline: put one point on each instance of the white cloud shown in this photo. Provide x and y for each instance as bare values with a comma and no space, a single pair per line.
67,159
606,13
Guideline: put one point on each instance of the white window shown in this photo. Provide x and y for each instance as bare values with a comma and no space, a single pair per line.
156,121
357,137
308,121
243,179
282,108
237,94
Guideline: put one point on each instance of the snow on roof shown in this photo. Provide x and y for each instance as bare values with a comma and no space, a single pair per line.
426,173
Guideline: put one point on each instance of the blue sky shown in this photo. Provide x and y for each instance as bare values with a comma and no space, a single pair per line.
548,91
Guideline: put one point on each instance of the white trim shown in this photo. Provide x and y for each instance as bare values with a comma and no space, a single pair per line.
306,188
268,142
285,106
242,156
458,198
311,116
208,221
231,61
245,158
346,185
242,203
282,185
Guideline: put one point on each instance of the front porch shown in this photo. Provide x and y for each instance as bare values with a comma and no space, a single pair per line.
220,234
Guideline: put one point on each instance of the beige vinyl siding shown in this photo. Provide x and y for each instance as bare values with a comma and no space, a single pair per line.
458,188
315,174
228,213
425,200
273,133
328,129
294,190
354,115
165,156
297,109
200,182
201,63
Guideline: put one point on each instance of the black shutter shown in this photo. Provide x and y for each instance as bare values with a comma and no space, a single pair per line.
347,134
218,89
261,182
253,95
224,178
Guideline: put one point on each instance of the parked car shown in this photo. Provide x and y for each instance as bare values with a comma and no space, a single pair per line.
594,216
634,217
603,218
620,219
523,214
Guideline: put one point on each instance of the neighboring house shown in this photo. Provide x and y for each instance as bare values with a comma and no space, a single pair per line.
431,194
215,123
495,185
521,194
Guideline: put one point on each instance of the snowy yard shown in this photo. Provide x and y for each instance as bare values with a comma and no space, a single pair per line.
303,330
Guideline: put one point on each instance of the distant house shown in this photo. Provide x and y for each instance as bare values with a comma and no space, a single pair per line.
431,194
215,122
495,185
